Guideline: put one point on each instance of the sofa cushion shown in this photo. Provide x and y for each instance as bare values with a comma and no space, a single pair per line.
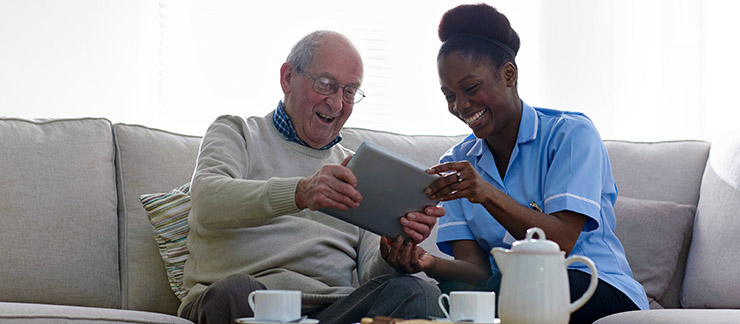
640,169
712,279
652,233
664,316
148,160
58,221
23,313
168,213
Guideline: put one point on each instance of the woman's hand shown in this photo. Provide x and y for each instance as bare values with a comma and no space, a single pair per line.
405,256
460,181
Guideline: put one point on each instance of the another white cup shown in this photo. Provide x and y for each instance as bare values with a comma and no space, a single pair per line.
478,306
275,305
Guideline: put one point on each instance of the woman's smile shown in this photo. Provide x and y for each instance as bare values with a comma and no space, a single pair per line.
471,120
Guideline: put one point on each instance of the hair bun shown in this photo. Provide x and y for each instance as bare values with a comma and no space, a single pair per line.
480,20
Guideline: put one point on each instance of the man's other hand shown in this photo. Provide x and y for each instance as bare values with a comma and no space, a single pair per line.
333,186
418,226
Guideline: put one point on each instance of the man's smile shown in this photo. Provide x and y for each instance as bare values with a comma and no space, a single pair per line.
325,118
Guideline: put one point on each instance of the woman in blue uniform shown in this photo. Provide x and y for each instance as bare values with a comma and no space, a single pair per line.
522,167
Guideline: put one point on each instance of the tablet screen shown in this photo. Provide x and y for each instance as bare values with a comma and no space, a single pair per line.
391,185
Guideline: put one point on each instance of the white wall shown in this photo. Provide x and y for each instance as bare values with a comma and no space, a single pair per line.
77,58
641,69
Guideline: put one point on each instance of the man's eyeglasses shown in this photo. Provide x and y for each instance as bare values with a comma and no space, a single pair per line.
328,86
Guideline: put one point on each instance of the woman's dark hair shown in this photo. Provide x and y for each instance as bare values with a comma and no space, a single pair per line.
479,31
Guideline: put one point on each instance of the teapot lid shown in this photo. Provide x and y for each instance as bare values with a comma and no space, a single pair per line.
530,244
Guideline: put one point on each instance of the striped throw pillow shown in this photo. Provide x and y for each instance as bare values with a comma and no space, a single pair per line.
168,213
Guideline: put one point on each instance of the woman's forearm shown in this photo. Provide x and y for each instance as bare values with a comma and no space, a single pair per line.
458,270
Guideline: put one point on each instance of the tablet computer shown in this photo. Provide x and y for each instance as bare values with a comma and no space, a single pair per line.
391,185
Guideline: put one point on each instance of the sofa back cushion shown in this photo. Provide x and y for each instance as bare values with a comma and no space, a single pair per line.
712,279
148,160
425,149
58,221
660,171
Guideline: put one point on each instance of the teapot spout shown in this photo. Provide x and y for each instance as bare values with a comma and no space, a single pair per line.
500,255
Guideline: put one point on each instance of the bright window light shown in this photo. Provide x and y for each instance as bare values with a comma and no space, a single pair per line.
643,70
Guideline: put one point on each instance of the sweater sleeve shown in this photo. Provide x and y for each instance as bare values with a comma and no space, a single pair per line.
222,196
370,263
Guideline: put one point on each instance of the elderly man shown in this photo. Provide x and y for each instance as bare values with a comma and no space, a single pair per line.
256,188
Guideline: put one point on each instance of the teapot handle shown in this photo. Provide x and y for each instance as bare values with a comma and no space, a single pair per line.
591,286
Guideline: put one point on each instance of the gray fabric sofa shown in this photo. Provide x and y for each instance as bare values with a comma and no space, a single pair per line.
76,245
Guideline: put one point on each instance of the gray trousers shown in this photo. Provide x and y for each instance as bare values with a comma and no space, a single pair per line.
399,296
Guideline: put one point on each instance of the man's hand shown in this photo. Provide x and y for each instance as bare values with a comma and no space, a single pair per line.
333,186
418,226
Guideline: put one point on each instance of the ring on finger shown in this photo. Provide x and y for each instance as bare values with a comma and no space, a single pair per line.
459,177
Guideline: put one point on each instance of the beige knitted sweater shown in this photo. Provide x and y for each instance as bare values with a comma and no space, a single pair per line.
244,218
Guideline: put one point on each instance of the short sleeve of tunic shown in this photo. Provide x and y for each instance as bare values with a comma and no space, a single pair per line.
576,172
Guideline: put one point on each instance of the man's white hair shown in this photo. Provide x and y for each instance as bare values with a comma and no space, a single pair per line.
302,54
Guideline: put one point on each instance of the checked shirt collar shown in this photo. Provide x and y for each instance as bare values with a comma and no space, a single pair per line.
282,122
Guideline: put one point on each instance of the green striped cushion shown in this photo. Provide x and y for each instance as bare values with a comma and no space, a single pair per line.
168,213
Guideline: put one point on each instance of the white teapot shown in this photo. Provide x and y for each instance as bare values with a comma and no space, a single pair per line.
534,281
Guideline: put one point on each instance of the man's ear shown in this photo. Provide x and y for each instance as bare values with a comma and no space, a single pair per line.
286,74
510,74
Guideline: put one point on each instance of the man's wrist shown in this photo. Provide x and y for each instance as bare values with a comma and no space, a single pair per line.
299,199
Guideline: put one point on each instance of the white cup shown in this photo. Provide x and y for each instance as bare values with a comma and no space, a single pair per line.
275,305
478,306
